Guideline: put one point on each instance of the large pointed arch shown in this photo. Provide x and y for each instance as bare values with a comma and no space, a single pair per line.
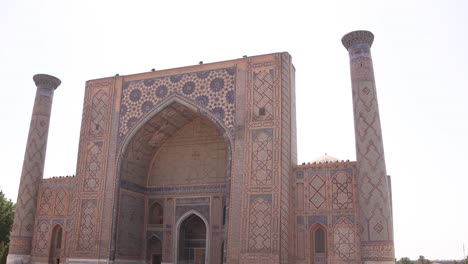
171,103
181,100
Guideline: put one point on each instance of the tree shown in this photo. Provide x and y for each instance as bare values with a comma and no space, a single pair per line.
7,213
405,261
423,260
465,261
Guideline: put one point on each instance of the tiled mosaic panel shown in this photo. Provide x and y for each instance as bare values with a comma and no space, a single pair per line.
262,157
41,243
61,202
378,250
342,191
99,111
263,95
344,239
212,90
88,225
317,193
260,226
46,202
93,167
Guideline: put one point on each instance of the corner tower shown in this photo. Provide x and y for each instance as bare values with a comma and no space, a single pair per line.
33,169
376,222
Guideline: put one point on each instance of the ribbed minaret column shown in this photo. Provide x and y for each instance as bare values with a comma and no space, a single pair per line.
374,194
33,169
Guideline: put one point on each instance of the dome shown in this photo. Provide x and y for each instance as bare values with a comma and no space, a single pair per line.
325,158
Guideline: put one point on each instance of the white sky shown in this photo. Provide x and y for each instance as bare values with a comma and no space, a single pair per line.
420,57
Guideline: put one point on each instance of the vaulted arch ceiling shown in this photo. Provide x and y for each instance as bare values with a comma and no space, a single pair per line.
146,142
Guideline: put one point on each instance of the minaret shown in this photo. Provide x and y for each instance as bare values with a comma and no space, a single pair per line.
376,223
33,169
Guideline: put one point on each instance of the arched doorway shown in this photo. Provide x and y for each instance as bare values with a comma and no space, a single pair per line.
154,251
318,245
56,245
192,240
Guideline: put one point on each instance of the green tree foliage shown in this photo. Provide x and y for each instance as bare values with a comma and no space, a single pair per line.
3,252
423,260
405,261
7,213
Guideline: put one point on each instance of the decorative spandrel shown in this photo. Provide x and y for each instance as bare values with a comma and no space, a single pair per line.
211,90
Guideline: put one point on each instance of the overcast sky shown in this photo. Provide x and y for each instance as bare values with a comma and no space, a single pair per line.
420,58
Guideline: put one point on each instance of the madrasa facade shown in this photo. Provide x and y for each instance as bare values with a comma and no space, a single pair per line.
198,165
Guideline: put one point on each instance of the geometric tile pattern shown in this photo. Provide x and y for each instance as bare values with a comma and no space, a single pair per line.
99,113
41,245
92,180
262,158
88,225
373,188
342,191
60,202
260,226
288,152
344,239
317,192
263,95
211,90
46,202
381,250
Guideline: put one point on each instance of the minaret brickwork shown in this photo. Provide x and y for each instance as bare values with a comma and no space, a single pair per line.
33,169
374,191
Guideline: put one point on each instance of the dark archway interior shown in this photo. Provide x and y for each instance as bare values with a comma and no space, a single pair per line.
56,245
192,241
154,251
318,245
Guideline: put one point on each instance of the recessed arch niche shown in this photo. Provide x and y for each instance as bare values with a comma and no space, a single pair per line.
177,152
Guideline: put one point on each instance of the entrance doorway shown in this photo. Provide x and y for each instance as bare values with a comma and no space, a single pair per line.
192,241
318,245
56,245
154,250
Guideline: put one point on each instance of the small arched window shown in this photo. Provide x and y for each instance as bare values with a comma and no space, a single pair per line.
318,244
156,215
319,240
